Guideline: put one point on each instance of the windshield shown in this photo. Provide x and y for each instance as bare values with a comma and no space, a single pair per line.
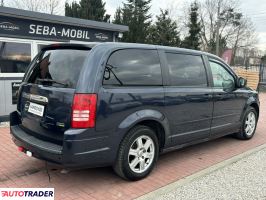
58,67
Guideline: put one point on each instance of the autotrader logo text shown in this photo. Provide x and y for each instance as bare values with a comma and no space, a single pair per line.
27,193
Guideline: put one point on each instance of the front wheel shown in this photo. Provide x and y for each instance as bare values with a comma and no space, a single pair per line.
249,124
138,153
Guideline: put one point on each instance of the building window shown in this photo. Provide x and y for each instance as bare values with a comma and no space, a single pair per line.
14,57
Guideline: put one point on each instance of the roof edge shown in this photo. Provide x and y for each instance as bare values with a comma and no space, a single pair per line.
25,14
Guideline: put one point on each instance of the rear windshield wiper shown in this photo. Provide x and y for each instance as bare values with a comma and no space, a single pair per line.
109,68
51,81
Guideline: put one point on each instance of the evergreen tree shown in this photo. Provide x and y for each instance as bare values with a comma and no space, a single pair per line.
135,15
192,41
118,17
164,31
222,46
72,10
87,9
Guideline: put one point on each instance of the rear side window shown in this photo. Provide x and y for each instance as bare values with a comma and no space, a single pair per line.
133,67
186,70
59,67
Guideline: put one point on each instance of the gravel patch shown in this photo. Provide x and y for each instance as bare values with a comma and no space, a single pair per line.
245,180
4,124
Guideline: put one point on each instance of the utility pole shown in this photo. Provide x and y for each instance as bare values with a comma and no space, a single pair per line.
218,29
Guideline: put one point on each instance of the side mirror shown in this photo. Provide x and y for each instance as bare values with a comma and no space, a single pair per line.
228,85
241,82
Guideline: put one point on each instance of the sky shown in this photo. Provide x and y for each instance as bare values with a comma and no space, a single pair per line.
254,9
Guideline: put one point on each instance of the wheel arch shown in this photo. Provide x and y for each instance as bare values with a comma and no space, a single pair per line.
252,102
153,119
158,128
256,107
241,134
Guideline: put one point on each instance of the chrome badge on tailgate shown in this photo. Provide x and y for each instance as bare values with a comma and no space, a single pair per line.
35,97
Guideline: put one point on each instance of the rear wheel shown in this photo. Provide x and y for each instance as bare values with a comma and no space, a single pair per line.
138,153
249,124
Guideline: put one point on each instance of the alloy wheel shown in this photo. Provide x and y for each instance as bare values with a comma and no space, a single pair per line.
250,123
141,154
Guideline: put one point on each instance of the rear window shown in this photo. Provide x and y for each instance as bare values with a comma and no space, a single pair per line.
58,67
133,67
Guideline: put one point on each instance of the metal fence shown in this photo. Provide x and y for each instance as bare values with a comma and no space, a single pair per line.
262,74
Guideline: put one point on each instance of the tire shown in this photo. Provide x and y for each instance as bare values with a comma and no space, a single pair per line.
245,132
142,157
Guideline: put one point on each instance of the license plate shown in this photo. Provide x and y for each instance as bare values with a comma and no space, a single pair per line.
36,109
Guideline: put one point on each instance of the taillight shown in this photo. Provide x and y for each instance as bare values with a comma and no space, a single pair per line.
84,111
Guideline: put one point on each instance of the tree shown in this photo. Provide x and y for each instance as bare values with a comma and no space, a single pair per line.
72,10
164,31
222,44
192,41
223,24
243,37
263,59
32,5
87,9
53,6
216,17
46,6
118,17
135,14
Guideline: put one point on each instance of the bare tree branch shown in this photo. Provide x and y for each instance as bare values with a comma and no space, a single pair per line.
46,6
233,31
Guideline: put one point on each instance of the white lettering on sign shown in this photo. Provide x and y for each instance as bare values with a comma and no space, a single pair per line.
16,84
52,31
46,30
38,30
32,29
79,34
65,32
73,33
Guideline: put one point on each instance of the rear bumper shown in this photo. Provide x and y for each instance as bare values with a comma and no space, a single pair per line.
76,151
40,149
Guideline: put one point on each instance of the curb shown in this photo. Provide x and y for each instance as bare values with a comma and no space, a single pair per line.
172,186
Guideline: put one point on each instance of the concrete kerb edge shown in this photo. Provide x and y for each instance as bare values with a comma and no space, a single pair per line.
172,186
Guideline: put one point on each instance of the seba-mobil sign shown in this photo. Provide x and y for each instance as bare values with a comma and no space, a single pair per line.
33,29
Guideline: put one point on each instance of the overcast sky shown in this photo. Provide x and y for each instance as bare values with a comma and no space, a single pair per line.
255,9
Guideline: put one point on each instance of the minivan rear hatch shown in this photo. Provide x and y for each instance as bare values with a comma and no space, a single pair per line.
46,95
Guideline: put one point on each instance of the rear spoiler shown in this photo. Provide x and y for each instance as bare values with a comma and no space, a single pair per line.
68,46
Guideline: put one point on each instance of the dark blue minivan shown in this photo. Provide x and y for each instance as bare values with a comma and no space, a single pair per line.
121,105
